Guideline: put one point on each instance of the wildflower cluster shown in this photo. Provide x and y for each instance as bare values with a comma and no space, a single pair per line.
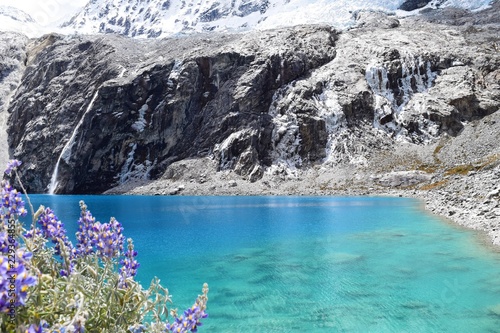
83,235
12,203
15,273
52,229
191,319
129,264
89,287
15,278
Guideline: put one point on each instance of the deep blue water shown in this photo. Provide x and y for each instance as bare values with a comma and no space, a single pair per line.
307,264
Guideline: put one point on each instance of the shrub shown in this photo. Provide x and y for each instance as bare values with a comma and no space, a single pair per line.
48,284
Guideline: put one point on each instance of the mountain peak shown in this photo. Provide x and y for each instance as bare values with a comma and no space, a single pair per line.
14,19
153,18
15,14
160,18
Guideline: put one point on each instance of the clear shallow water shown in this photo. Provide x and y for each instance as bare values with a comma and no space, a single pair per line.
307,264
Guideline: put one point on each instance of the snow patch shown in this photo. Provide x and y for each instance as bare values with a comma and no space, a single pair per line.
160,18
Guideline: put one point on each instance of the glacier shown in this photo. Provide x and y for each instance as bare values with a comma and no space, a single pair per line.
165,18
160,18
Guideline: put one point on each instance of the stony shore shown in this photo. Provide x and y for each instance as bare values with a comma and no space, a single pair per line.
470,199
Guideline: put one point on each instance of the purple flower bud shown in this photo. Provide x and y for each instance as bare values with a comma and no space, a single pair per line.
12,204
12,165
189,321
129,264
52,229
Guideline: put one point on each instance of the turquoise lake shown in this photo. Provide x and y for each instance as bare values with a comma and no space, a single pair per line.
307,264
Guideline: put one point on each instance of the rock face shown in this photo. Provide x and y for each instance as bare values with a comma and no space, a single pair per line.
106,110
12,63
413,4
95,112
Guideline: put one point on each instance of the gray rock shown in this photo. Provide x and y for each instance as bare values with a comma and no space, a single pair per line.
493,193
375,19
12,65
410,5
403,178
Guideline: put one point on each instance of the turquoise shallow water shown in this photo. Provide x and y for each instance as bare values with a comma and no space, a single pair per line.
308,264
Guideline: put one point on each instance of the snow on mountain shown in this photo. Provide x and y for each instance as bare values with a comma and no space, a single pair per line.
14,19
159,18
15,14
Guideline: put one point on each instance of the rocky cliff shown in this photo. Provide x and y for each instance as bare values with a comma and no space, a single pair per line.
95,112
12,65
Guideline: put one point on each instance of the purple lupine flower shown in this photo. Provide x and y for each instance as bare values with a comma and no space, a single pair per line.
189,321
137,328
4,283
41,328
108,238
33,232
53,229
129,264
84,233
12,165
12,203
5,242
23,282
23,256
17,276
104,238
35,329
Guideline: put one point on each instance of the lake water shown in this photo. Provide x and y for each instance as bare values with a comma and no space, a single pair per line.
308,264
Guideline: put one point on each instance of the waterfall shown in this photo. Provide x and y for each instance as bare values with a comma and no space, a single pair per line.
53,180
390,102
66,151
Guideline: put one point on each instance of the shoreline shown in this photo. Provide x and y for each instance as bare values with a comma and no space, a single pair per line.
476,208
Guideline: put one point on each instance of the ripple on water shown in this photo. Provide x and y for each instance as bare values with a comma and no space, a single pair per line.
316,265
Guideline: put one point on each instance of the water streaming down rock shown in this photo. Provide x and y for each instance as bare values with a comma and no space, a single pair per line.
394,82
66,151
286,136
53,178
